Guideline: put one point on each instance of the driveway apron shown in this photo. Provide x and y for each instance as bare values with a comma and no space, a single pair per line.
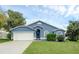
14,47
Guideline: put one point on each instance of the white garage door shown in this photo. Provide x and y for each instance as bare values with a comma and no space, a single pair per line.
23,36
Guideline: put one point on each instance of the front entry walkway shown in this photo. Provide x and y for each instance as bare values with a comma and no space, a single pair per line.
14,47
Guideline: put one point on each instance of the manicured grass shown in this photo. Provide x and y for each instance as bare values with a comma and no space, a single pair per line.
47,47
4,40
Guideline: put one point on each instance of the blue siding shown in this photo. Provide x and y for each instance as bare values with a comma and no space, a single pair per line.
43,27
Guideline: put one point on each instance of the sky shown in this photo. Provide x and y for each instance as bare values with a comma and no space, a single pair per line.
56,15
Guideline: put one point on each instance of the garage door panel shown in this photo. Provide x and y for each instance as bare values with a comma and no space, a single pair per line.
23,36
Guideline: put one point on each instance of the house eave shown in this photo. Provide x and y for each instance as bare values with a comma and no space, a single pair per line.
19,27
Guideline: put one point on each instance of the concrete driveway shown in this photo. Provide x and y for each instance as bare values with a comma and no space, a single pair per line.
14,47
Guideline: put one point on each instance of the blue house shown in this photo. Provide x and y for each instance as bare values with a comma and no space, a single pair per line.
35,31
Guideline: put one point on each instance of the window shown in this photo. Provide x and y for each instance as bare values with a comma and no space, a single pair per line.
45,33
39,23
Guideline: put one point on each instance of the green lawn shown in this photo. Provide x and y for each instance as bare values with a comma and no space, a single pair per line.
46,47
4,40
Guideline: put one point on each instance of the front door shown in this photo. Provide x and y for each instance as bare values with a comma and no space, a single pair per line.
38,34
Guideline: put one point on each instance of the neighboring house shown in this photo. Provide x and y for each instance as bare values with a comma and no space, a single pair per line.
3,34
36,30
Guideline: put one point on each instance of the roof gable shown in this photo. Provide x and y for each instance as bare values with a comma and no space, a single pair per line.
40,22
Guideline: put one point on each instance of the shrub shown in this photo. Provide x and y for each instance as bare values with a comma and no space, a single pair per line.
60,38
51,37
9,35
73,38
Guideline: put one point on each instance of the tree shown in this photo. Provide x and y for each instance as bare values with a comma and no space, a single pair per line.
3,19
15,19
73,31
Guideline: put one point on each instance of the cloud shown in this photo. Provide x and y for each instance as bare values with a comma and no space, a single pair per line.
73,11
26,5
70,11
61,9
45,12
